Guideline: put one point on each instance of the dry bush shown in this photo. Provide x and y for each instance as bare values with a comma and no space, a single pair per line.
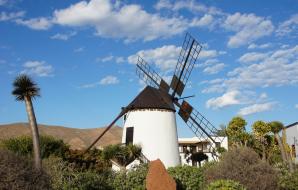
17,172
245,166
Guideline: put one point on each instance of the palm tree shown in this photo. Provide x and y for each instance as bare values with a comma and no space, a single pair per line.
25,90
276,127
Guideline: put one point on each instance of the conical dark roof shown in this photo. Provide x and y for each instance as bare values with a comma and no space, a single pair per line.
152,98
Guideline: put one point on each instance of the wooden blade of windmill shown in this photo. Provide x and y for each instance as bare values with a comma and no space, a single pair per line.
199,125
149,76
106,130
187,58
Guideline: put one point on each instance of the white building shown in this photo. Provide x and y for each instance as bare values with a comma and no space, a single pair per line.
292,139
194,145
150,122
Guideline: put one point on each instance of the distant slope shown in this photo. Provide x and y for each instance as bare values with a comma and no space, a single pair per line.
76,138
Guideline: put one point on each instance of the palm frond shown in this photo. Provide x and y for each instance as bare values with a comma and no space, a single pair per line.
25,86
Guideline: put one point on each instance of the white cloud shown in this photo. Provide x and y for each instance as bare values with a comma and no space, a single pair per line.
110,58
109,80
208,54
227,99
252,57
4,16
206,20
79,49
248,28
296,106
259,46
63,37
208,62
256,108
3,2
214,68
279,68
263,96
165,57
163,4
120,60
288,26
114,21
190,5
40,23
38,68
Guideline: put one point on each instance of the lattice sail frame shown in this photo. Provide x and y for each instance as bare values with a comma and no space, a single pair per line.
199,125
149,76
187,58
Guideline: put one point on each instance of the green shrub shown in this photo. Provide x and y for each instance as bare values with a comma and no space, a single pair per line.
20,145
135,179
187,177
245,166
225,185
52,146
123,155
17,172
64,176
288,181
87,161
48,146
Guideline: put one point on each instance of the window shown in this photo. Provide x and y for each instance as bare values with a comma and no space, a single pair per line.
129,135
193,149
184,149
217,144
205,147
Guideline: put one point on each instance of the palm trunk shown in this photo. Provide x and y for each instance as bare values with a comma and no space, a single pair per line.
281,147
34,131
288,155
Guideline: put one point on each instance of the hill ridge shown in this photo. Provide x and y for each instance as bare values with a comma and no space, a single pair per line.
77,138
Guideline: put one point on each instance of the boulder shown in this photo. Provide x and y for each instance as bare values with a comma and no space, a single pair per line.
158,178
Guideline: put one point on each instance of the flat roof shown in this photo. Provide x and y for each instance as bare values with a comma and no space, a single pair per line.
291,125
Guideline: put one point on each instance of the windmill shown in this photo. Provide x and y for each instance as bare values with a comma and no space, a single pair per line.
150,119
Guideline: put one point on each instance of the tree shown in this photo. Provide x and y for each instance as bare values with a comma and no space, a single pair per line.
25,89
123,155
222,131
243,165
235,130
198,157
276,127
260,130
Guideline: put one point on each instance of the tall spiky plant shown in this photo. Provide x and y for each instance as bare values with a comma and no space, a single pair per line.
25,89
276,127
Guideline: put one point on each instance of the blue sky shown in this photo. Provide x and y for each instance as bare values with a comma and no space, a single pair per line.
82,55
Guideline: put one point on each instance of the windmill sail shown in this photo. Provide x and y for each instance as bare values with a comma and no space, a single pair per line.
199,125
150,77
187,58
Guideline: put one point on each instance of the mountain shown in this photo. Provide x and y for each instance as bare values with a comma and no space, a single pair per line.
76,138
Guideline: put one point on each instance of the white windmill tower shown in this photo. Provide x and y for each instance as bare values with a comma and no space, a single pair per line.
150,122
150,119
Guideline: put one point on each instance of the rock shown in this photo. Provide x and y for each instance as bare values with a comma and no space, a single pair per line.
158,178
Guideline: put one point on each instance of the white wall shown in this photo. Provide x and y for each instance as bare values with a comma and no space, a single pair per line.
292,138
156,132
223,143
